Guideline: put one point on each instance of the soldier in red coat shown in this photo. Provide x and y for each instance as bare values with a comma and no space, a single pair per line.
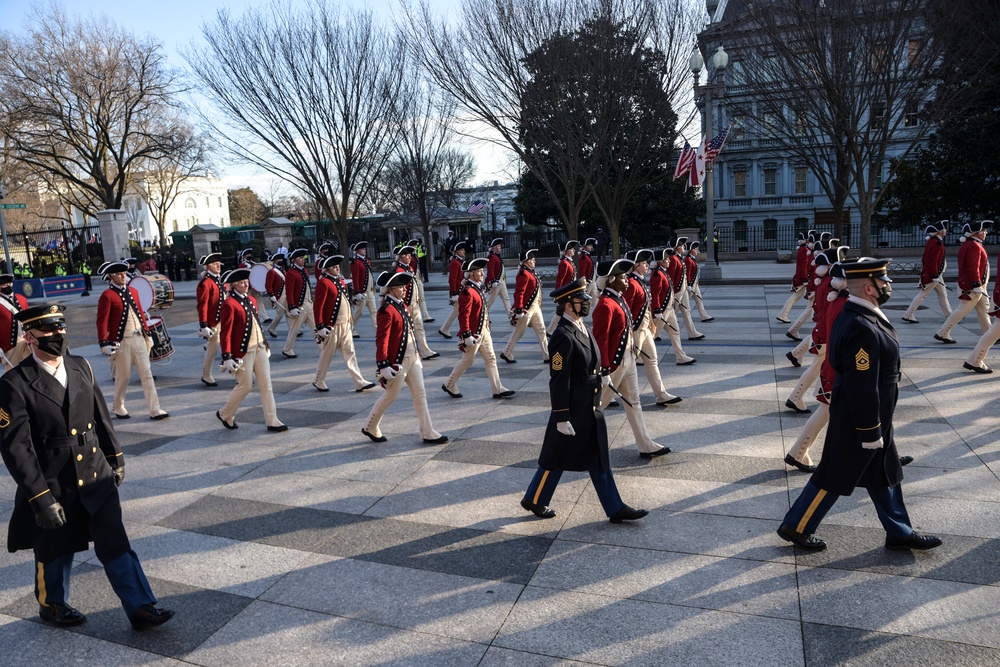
565,274
398,362
124,338
403,264
332,310
362,284
322,252
931,271
496,278
662,304
694,288
679,279
639,302
973,280
527,310
587,267
299,295
455,277
819,244
275,284
802,260
210,294
11,334
613,333
474,332
245,353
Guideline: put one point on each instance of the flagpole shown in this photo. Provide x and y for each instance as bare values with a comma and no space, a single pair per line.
711,270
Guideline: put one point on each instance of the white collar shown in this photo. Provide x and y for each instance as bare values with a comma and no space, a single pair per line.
870,306
58,372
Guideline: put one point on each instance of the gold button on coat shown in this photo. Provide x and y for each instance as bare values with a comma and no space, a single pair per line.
79,457
81,482
73,432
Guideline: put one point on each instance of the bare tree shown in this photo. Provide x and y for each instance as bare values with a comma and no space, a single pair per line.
456,171
673,32
83,102
308,95
165,180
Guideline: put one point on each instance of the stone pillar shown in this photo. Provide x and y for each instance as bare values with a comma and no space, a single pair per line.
202,240
114,234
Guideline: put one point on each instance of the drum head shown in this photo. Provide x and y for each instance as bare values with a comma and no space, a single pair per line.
258,277
145,290
154,322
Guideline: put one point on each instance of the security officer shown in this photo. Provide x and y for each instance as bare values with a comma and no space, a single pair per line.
11,336
245,352
932,269
527,310
87,285
613,332
474,332
398,361
662,305
275,285
58,444
332,311
299,296
576,437
496,280
404,255
859,448
125,340
638,300
565,274
802,260
210,294
362,285
455,278
973,279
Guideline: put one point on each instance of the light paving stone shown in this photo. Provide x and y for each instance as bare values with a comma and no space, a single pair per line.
182,475
504,657
297,490
16,573
826,646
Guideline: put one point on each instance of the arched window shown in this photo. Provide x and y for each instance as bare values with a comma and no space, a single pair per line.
190,203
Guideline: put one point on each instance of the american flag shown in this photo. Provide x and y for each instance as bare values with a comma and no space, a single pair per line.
715,147
684,162
477,206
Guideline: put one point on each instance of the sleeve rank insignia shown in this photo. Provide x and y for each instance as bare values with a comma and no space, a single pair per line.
557,362
861,360
4,418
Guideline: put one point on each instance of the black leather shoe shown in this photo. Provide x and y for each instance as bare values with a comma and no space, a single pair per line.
910,320
323,389
912,541
149,616
271,334
290,356
976,369
792,406
627,514
433,355
268,320
808,542
429,319
686,363
443,334
652,455
946,341
125,416
299,334
60,615
541,511
673,401
708,319
792,358
354,335
504,394
905,460
281,428
160,417
209,384
783,321
789,334
696,337
613,404
436,441
374,438
798,464
370,385
231,427
545,361
453,394
509,361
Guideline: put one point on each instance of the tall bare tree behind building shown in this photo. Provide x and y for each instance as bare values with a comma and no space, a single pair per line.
309,95
165,180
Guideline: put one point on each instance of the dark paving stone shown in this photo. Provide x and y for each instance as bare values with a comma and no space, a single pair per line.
718,406
285,386
496,556
301,418
489,452
135,443
200,613
701,467
299,528
704,356
827,645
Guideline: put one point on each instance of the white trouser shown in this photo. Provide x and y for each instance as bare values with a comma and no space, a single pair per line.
280,309
673,330
592,289
452,316
532,318
986,341
295,323
411,373
799,351
808,379
211,350
625,379
419,333
683,305
367,301
817,420
979,303
699,301
134,350
797,293
418,280
339,340
255,365
484,348
922,293
650,359
499,289
804,317
262,299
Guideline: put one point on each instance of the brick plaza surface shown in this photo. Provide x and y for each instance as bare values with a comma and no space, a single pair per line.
317,546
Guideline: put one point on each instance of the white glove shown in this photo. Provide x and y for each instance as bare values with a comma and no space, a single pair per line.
323,332
469,341
206,332
606,380
565,428
979,290
110,350
452,300
389,372
358,298
232,365
873,445
274,302
295,312
662,316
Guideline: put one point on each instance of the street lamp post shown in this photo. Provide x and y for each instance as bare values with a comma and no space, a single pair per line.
703,97
493,212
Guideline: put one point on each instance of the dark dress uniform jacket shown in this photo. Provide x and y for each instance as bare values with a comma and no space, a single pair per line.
864,354
57,448
574,388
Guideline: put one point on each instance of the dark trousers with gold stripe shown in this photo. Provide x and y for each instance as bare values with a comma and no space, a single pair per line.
544,484
812,505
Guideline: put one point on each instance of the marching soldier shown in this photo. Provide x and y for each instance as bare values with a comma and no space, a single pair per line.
527,310
124,338
565,274
694,289
805,344
298,293
638,299
679,280
973,278
362,285
819,244
662,303
455,277
275,283
398,362
576,437
332,311
931,272
588,269
613,333
403,264
496,280
474,332
11,335
977,359
210,294
244,260
419,264
802,259
245,353
67,463
323,252
860,449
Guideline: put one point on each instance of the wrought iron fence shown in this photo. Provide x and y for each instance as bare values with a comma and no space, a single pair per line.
43,251
785,237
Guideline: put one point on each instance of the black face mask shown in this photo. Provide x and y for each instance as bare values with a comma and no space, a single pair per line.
584,308
57,344
883,293
7,289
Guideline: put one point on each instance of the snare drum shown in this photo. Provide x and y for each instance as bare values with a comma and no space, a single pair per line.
258,277
162,346
155,291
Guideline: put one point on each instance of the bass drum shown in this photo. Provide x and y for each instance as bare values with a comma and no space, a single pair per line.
162,346
258,277
155,291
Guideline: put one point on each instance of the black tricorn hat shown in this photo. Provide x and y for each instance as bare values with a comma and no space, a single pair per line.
114,267
614,267
236,275
528,254
298,252
388,279
212,257
331,261
475,264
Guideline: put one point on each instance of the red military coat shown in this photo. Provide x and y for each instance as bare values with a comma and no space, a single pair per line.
802,259
296,287
392,332
932,263
326,307
973,266
408,290
691,268
361,274
637,300
112,314
660,288
210,295
820,308
525,288
275,282
455,275
586,263
612,328
566,272
238,315
676,272
472,315
8,327
826,372
494,270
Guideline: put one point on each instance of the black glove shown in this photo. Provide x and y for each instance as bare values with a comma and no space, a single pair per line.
53,516
119,474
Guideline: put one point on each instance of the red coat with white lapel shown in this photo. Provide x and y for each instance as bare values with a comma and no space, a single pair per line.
296,286
210,296
472,315
326,307
391,333
525,288
112,313
8,327
566,272
612,328
236,325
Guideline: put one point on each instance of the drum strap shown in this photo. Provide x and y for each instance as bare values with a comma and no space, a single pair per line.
128,303
336,304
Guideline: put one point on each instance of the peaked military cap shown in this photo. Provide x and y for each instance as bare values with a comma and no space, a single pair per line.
41,315
576,289
6,278
868,267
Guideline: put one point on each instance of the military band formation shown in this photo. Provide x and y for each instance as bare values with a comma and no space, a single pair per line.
58,440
